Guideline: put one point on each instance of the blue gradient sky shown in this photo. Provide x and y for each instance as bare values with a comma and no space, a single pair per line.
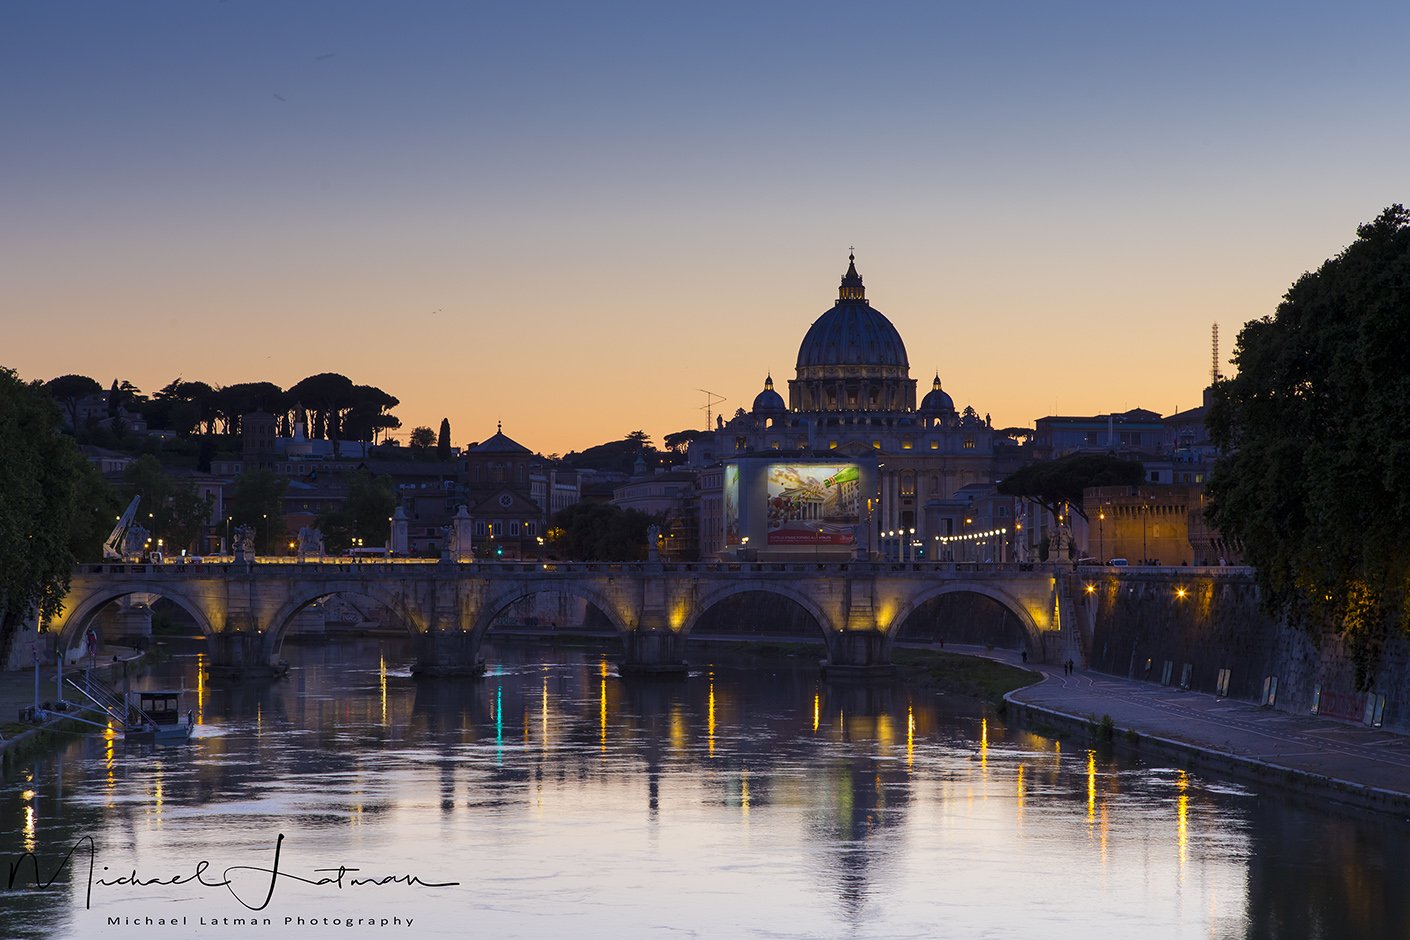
572,216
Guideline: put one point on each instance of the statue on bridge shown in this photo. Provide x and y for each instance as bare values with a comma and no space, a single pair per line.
310,541
244,543
653,542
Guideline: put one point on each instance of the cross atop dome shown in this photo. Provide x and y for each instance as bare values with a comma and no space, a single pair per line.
852,288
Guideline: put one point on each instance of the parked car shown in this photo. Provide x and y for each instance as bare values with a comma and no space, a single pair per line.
1118,562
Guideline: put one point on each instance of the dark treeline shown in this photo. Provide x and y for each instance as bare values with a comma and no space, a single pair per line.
329,405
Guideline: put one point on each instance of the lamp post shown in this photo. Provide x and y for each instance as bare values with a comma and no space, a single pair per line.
1101,533
1145,513
910,543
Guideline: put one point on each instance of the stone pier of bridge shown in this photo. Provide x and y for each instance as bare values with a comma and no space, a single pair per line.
246,609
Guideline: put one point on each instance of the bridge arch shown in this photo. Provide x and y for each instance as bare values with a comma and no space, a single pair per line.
283,618
1032,634
506,597
713,598
74,619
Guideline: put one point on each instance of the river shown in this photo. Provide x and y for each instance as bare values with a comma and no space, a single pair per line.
553,799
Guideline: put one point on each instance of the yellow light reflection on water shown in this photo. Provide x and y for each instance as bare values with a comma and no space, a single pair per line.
543,716
200,688
382,685
602,716
817,710
109,736
30,842
1020,791
602,705
1091,786
710,719
910,736
984,743
1182,822
744,792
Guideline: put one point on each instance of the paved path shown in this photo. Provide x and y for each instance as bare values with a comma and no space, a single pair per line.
17,688
1348,757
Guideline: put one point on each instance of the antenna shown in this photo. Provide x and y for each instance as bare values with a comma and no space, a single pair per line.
1214,367
711,400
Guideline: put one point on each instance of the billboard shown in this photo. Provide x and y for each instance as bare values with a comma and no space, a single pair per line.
732,504
813,504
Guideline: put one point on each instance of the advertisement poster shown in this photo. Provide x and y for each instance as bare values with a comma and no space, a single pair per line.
813,504
732,504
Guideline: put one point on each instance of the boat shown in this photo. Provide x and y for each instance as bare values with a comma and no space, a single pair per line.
156,717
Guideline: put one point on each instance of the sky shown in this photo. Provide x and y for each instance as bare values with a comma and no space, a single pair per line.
574,217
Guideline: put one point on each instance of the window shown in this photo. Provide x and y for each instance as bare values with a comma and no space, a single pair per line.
514,528
739,443
832,445
876,445
934,445
907,443
969,442
908,483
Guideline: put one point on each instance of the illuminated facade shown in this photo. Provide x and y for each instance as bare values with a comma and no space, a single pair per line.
852,404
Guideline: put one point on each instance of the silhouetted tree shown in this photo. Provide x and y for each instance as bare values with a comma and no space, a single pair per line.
443,440
422,438
69,390
1313,477
51,503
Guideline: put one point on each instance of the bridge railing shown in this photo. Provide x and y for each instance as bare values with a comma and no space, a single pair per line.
366,566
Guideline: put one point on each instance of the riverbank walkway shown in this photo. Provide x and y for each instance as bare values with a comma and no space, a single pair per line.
1346,761
17,692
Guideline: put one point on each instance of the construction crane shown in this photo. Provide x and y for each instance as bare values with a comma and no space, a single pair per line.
711,400
112,548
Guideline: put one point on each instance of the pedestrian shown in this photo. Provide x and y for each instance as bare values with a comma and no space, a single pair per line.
1023,655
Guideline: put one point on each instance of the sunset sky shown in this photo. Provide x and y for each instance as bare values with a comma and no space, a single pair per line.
574,216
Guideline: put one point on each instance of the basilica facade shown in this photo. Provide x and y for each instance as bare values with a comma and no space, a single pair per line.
850,460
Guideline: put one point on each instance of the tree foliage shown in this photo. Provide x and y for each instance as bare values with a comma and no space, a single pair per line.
1314,475
680,441
422,438
1057,483
43,484
365,514
69,390
598,532
443,440
616,456
172,508
257,499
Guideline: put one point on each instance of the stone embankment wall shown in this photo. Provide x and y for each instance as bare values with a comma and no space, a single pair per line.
1138,624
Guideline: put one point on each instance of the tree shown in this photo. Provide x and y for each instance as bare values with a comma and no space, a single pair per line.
1054,484
680,441
364,514
46,520
599,532
1313,477
615,456
422,438
443,440
257,499
69,390
172,508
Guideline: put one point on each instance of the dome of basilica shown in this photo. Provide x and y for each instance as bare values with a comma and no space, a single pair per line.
768,400
852,333
937,400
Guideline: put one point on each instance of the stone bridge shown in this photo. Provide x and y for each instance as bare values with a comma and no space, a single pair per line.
246,608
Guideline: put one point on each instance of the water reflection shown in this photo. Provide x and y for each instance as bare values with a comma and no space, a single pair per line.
735,803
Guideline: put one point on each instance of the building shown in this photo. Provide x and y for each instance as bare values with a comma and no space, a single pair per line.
850,456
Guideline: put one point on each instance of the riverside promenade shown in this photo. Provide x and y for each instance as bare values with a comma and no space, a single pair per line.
1321,757
17,692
